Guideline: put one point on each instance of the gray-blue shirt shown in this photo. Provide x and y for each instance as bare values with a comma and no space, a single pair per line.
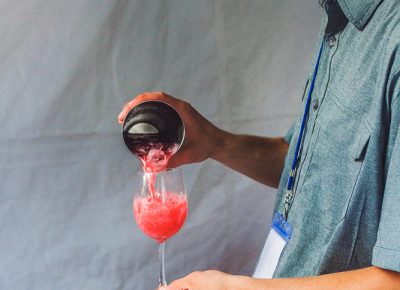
346,212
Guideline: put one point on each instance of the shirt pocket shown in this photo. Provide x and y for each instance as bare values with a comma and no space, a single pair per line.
340,139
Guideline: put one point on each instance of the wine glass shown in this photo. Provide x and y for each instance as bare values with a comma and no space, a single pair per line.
160,207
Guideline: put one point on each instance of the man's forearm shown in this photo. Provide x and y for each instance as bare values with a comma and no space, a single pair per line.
259,158
368,278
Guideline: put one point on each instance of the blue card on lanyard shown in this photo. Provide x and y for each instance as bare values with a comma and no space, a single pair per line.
279,235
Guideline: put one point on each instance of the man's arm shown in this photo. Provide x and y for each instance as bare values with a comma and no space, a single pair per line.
256,157
369,278
259,158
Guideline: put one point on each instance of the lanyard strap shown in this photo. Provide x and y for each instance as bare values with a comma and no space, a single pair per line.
289,194
303,122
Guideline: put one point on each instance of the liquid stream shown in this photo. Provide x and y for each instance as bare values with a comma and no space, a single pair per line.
154,157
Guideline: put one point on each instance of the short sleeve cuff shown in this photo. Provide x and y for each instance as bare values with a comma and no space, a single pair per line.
289,134
386,259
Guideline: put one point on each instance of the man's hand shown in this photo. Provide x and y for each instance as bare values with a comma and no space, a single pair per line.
201,136
207,280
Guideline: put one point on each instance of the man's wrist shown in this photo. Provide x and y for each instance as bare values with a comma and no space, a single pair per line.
219,141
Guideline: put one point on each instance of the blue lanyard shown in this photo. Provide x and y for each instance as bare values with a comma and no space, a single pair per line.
303,122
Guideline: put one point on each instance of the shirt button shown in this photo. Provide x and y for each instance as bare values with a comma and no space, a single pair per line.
331,40
315,105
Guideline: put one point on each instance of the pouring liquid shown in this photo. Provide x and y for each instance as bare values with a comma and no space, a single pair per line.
154,157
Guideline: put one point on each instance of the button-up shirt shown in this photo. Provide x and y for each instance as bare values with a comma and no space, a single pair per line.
346,210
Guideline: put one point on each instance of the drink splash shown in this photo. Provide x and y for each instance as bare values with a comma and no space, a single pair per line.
154,157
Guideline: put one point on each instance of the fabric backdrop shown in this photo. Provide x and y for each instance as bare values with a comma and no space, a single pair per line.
67,68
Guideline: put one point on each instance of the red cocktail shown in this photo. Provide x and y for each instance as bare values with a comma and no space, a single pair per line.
160,207
160,218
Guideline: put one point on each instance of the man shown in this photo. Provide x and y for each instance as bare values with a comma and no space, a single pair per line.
344,207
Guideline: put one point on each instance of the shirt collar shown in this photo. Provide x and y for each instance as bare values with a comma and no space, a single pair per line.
359,12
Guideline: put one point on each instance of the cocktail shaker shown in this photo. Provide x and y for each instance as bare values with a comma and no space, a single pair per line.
153,125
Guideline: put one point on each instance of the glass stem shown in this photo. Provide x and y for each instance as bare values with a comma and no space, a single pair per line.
161,250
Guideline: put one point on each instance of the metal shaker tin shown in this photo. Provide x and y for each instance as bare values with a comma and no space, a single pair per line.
152,122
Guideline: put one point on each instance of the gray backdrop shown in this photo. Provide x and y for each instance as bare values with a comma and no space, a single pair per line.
67,68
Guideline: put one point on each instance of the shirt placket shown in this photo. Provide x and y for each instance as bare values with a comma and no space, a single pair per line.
317,98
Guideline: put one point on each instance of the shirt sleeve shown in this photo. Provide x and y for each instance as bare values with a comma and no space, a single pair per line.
386,253
289,134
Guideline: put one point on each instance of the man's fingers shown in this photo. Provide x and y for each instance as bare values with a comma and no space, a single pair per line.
175,286
124,112
178,285
175,160
185,283
171,288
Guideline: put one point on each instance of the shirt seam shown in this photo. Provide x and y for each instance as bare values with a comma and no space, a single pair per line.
333,91
396,72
